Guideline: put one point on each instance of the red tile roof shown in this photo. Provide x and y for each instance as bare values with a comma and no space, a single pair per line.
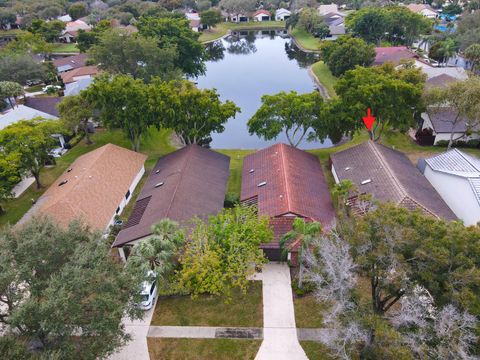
262,11
295,185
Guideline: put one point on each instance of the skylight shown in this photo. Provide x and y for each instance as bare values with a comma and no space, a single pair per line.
251,171
263,183
364,182
159,184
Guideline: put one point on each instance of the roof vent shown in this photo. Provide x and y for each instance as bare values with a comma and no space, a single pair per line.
263,183
63,182
159,184
251,171
347,168
364,182
156,172
69,170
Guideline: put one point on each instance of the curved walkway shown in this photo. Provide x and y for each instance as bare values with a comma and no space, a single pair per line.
279,334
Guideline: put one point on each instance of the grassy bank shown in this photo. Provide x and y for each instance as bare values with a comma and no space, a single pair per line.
222,29
65,48
236,164
325,77
202,349
154,145
305,40
245,310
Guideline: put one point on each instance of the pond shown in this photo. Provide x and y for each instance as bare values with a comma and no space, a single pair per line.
246,65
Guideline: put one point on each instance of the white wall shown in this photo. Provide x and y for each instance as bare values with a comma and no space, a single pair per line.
457,193
124,201
335,176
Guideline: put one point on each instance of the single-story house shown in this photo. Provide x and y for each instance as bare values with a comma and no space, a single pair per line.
389,176
184,184
84,72
237,18
440,81
336,24
282,14
423,9
456,177
46,104
283,183
65,18
395,54
195,22
262,15
70,32
95,188
441,121
75,87
457,73
70,62
325,9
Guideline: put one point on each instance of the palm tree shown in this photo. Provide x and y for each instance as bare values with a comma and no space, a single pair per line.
305,232
447,49
159,252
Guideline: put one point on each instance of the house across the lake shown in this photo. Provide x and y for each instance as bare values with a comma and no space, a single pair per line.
456,177
389,176
70,62
282,14
423,9
262,15
283,183
94,189
187,183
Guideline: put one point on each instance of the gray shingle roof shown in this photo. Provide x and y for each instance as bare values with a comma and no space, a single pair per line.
442,119
392,178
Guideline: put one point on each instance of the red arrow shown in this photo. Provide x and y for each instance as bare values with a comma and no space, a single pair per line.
368,120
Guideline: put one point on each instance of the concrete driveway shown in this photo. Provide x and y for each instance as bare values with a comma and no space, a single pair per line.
137,348
279,333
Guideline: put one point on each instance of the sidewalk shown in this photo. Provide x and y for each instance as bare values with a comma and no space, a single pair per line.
280,333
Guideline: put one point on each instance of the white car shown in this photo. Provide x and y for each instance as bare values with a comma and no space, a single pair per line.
51,87
148,294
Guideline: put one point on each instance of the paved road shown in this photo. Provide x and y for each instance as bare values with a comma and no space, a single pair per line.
279,333
136,349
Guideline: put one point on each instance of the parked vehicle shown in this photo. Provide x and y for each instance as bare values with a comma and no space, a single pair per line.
149,292
51,88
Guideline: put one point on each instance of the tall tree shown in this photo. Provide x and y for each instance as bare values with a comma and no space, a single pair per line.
159,253
31,141
174,32
75,111
393,95
194,114
346,53
20,68
71,287
304,232
50,30
9,90
9,177
122,53
472,54
222,252
77,10
468,30
122,102
463,97
27,42
291,113
211,18
238,6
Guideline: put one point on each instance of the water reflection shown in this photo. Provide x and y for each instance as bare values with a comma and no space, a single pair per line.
248,64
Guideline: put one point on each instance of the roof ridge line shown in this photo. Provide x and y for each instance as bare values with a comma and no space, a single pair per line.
287,192
184,166
389,170
422,206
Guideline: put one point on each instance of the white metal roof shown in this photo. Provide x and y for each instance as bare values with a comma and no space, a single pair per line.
22,112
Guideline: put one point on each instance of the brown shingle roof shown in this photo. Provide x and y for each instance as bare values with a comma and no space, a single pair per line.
97,183
191,182
295,184
69,76
393,54
392,178
441,81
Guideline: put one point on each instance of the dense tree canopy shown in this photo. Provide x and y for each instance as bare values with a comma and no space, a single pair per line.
75,111
393,95
468,30
210,18
191,112
122,102
50,30
77,10
10,90
57,283
9,176
346,53
20,68
291,113
31,142
395,24
175,32
119,52
222,253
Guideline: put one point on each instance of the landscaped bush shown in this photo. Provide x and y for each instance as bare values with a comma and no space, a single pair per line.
473,143
231,199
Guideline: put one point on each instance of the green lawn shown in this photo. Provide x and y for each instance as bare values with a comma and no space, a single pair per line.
316,350
222,29
245,310
155,145
305,40
308,311
324,75
202,349
65,48
236,163
35,88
